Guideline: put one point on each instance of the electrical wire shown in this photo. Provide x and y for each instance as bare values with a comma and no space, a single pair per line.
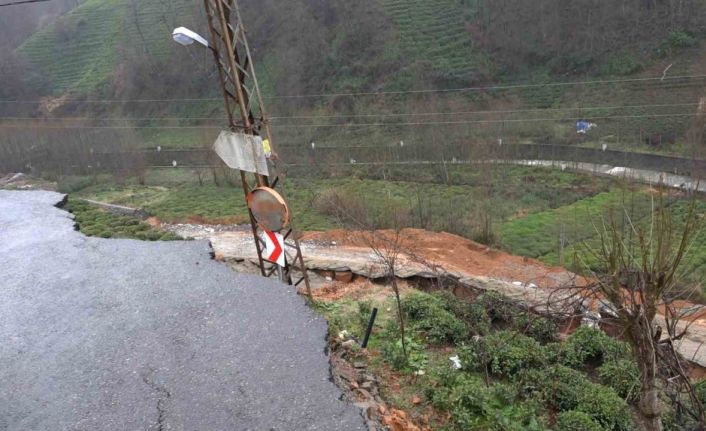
22,2
371,115
386,93
351,125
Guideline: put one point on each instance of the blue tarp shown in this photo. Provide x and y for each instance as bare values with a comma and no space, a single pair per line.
583,126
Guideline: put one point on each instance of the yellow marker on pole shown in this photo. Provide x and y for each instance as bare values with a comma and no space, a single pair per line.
266,146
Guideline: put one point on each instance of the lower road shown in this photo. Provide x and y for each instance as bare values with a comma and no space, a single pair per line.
125,335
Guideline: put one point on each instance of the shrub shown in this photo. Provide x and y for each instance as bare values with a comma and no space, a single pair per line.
565,389
576,421
497,306
365,308
478,320
557,386
474,406
391,348
420,306
427,313
95,222
416,355
474,314
589,345
503,354
153,235
605,407
623,376
680,39
169,236
537,327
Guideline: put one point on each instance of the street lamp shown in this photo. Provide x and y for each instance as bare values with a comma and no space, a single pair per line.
229,45
184,36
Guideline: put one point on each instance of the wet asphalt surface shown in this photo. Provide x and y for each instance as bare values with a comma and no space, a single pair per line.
100,334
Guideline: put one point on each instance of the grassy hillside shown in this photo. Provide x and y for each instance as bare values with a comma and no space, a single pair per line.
435,33
123,50
81,51
78,52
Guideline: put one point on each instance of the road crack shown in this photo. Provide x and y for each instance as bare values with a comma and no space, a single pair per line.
163,396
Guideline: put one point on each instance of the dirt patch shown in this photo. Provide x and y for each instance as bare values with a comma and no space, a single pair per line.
360,289
454,253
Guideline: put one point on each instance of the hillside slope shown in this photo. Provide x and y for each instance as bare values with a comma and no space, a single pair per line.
121,49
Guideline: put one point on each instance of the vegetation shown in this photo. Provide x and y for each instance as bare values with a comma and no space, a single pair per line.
540,213
645,261
86,43
92,221
176,195
108,49
539,235
515,374
507,380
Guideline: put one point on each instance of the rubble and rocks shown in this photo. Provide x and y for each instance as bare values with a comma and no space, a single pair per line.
361,388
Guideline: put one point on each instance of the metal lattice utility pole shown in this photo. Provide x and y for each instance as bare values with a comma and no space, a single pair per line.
246,114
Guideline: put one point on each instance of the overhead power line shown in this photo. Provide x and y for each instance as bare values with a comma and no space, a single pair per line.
351,125
368,115
388,93
22,2
489,88
511,120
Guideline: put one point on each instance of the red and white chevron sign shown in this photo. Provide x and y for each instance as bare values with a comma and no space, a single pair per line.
274,247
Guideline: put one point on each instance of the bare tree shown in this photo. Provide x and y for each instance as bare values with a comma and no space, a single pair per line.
382,234
387,247
639,276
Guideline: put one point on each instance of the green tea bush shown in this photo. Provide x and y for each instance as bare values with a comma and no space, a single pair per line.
589,345
426,313
393,353
474,406
503,354
623,376
474,314
96,222
557,386
537,327
576,421
497,306
420,306
564,389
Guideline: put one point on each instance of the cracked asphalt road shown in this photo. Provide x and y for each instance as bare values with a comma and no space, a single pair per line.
102,334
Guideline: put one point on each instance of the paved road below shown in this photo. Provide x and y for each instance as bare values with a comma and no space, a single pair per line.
117,334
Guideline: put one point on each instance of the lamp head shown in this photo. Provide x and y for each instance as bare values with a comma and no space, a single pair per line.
184,36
